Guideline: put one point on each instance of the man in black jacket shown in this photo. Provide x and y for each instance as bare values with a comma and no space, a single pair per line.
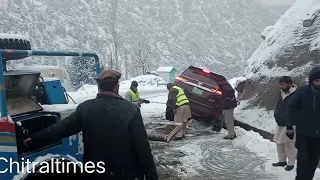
113,133
229,102
307,101
287,152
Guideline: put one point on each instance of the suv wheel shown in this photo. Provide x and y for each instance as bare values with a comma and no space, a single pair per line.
216,128
218,124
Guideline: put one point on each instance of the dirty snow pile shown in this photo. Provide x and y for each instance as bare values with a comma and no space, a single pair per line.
146,83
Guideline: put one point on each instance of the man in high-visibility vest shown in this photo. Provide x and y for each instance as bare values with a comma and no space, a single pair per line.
133,95
179,103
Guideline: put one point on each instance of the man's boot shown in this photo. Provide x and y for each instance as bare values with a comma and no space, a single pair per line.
289,168
279,164
230,137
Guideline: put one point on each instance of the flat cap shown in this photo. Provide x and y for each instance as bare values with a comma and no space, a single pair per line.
111,75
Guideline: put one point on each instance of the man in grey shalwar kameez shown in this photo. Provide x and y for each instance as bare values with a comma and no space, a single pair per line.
287,152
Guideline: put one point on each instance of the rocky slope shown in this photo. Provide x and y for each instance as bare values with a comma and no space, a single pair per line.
289,49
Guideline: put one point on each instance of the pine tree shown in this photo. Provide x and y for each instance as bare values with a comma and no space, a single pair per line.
81,71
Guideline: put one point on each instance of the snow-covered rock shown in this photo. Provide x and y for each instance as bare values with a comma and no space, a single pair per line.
146,83
289,50
266,31
234,82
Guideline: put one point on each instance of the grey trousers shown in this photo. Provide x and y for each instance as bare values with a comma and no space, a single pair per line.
228,117
287,151
182,115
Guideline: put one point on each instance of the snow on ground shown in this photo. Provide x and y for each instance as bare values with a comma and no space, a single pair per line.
267,149
147,83
204,154
156,109
255,116
249,152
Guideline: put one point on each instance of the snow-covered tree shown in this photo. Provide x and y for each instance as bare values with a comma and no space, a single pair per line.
81,71
141,62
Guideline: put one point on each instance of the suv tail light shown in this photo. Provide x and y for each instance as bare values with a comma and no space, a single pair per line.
180,79
206,71
216,91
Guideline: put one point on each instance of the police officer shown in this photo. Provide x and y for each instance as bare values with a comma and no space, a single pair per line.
133,95
113,133
179,103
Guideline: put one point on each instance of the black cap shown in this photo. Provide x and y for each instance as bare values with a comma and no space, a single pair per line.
314,74
134,84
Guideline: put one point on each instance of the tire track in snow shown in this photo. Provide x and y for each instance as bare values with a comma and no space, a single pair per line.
204,155
225,162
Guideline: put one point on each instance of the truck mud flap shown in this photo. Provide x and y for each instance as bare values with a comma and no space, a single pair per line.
162,131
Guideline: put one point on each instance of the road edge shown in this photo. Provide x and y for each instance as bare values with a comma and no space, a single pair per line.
263,133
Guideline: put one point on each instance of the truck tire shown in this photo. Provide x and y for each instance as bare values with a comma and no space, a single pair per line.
14,43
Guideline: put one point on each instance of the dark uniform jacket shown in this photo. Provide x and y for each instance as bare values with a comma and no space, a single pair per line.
307,101
113,132
229,100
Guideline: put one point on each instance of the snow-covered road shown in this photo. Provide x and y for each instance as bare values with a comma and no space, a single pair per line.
205,155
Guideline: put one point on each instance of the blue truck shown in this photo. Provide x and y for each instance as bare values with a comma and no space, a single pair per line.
22,114
23,94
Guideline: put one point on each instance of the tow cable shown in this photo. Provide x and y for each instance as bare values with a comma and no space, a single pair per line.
157,102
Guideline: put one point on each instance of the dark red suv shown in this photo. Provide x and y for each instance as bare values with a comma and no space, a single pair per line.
201,86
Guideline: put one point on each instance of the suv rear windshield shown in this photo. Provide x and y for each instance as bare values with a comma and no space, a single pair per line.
199,75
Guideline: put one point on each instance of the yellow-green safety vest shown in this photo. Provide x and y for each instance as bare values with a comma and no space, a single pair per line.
181,97
134,96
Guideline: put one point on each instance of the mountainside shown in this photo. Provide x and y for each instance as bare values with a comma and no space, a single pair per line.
290,49
281,9
217,34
